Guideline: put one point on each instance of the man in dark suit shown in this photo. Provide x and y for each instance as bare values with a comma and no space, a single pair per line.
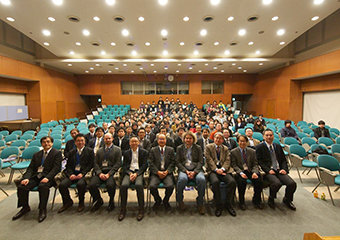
70,143
321,131
91,135
189,160
219,170
244,162
107,162
169,141
149,134
162,164
273,162
143,142
134,166
79,163
179,139
229,142
121,141
44,166
98,141
205,140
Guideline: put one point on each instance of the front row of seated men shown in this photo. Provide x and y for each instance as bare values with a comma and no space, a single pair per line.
221,164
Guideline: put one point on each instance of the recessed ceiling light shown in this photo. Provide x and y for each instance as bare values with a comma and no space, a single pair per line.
141,68
46,32
86,32
239,67
132,71
141,19
222,70
113,44
181,43
70,65
165,52
275,18
216,43
215,67
166,68
110,2
190,67
162,2
102,52
231,18
215,2
164,33
177,71
52,19
91,68
257,52
318,1
109,71
227,52
134,53
250,43
57,2
196,52
282,43
315,18
96,18
87,71
155,71
152,64
71,52
6,2
78,43
260,64
199,70
97,65
267,1
206,64
203,32
280,32
147,44
179,64
245,70
10,19
185,19
46,44
116,68
125,32
124,64
233,64
242,32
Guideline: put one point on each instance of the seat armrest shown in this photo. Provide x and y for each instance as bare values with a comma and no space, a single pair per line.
59,177
118,176
327,177
18,180
296,160
88,176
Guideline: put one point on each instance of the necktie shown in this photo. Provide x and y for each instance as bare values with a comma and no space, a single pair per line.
227,142
162,151
273,156
44,157
97,146
206,142
244,156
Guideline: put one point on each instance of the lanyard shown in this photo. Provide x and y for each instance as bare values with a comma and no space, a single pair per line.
78,158
43,158
107,153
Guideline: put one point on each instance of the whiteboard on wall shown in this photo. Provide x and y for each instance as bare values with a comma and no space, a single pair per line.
322,106
12,99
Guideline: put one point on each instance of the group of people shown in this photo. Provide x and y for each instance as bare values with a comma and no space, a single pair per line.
174,149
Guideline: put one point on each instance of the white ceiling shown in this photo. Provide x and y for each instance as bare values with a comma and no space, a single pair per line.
31,18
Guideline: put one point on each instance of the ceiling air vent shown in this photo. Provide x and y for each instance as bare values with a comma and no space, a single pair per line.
73,18
119,18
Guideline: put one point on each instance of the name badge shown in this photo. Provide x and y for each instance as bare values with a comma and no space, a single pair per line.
105,164
77,168
188,163
40,169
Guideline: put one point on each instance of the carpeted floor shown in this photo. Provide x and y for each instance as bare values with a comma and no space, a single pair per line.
312,215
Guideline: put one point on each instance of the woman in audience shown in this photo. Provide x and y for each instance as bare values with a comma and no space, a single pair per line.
258,127
239,124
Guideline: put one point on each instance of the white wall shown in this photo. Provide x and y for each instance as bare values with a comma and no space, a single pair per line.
9,99
322,106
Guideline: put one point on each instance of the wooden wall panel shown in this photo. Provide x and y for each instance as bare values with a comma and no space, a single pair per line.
13,86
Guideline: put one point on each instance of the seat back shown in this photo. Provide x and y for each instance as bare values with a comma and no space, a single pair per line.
11,137
308,140
307,130
28,153
258,136
17,132
334,130
35,143
301,135
9,151
326,141
329,162
4,132
57,144
2,143
335,148
290,141
19,143
298,150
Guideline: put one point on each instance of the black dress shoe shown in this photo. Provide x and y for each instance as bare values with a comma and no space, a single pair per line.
111,206
242,206
122,214
258,205
42,215
155,207
97,205
81,207
140,214
218,211
271,203
65,206
289,204
21,213
167,206
231,210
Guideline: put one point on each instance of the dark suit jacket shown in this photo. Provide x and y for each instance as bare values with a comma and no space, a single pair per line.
232,144
92,143
211,158
169,143
52,165
146,144
69,146
201,143
88,137
152,137
238,127
142,161
196,157
178,141
317,132
237,160
86,161
155,159
125,144
114,159
264,159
